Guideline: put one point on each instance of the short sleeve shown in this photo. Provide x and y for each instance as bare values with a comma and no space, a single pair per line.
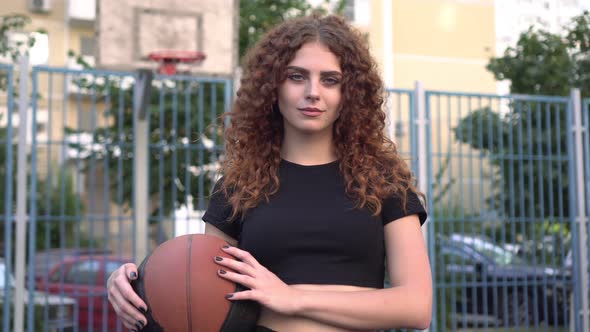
392,208
219,211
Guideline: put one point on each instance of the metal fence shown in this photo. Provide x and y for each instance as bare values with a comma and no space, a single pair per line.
501,220
107,182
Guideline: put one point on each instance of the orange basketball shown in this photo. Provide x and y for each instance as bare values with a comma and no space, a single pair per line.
179,283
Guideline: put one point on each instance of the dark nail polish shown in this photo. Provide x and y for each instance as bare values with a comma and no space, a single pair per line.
142,309
225,247
229,296
133,275
222,272
132,330
139,325
219,259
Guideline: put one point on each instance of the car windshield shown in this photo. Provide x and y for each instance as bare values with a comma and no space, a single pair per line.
494,252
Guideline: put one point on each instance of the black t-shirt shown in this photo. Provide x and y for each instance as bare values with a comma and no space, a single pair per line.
310,232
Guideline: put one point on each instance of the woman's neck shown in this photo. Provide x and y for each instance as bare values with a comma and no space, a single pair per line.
309,149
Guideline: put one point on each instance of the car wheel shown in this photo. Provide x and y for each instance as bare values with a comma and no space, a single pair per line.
518,309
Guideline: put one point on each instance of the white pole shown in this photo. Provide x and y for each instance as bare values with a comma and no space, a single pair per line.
421,123
422,153
140,164
581,217
388,43
387,24
21,195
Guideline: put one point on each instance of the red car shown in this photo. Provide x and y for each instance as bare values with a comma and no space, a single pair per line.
84,279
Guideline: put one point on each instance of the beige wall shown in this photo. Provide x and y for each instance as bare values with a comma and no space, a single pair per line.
443,43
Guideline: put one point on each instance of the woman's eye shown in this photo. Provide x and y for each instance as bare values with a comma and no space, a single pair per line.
296,77
331,81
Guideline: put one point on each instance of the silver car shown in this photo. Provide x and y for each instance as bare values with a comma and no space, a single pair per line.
60,309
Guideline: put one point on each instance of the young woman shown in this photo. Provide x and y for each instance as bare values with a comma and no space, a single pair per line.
314,199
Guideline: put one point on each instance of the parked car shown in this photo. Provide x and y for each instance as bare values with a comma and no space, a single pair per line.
495,285
84,278
59,309
44,260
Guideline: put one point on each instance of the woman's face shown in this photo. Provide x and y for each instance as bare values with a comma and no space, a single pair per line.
309,99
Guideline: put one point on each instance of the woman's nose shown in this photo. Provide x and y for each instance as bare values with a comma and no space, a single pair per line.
312,91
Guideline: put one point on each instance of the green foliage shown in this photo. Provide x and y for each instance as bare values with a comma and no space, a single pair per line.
56,199
38,320
539,64
58,209
547,63
259,16
12,23
552,252
510,141
9,24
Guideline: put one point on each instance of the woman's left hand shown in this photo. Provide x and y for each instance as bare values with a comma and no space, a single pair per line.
265,287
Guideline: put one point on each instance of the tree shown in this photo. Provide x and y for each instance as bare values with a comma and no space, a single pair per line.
540,63
10,24
259,16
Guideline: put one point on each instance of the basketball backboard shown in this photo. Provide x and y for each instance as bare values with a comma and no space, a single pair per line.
128,31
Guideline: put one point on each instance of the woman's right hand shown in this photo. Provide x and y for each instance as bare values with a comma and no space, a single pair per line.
124,299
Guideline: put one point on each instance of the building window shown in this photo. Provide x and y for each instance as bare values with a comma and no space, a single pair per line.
87,46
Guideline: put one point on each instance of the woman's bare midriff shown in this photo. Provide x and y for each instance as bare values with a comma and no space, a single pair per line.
283,323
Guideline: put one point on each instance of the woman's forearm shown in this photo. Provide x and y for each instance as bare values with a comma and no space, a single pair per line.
398,307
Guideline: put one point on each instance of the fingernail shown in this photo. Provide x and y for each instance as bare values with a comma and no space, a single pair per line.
229,296
132,330
219,259
222,272
139,325
225,247
133,275
144,310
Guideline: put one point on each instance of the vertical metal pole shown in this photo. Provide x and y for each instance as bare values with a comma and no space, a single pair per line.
580,213
21,195
140,163
421,122
421,153
8,212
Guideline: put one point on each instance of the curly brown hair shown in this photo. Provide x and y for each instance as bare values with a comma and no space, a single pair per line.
369,162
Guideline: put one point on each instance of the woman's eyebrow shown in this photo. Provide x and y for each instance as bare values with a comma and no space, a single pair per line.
305,71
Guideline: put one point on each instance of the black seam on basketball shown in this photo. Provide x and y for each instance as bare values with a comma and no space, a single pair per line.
139,288
188,285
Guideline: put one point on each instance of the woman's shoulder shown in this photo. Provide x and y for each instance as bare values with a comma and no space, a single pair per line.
403,204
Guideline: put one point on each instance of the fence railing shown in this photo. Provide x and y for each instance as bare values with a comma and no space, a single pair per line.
498,173
499,194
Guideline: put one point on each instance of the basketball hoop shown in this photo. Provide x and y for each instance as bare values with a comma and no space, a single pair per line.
168,59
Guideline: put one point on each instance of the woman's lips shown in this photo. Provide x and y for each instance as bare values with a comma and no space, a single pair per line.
310,111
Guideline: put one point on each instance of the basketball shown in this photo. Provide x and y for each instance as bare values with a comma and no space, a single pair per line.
179,283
